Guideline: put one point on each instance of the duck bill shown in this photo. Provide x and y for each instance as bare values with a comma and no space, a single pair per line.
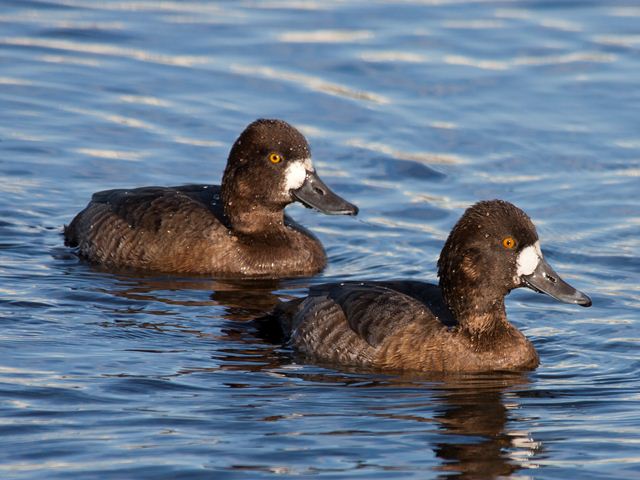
315,194
545,280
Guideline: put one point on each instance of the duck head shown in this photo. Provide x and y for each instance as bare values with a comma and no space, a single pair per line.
270,166
493,249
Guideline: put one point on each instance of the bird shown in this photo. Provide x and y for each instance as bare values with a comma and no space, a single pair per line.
459,325
238,229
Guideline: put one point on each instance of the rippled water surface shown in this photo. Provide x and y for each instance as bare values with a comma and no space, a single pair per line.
414,110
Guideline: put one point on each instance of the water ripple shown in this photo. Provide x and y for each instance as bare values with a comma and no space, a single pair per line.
312,83
105,49
414,110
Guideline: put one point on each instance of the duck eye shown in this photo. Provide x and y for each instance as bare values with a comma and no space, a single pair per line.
509,242
275,158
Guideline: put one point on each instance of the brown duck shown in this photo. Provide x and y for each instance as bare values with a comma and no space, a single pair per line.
459,326
238,229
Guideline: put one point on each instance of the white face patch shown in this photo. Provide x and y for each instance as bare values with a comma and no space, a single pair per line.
528,259
295,174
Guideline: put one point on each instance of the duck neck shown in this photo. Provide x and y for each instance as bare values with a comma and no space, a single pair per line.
478,311
249,215
484,322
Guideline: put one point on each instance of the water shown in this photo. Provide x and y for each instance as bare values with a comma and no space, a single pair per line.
414,110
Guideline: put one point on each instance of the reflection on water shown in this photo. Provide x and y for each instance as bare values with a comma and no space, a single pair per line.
241,299
470,429
488,449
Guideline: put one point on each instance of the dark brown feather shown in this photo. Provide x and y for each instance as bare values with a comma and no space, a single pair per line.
458,326
184,229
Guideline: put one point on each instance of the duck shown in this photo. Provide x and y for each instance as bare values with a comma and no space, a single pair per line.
458,325
237,229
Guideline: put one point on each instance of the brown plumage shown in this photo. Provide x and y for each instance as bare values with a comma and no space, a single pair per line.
458,326
237,230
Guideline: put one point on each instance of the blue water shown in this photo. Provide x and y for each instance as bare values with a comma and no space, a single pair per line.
414,110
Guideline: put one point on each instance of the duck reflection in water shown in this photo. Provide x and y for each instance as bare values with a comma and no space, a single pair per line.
153,302
241,300
476,442
464,420
477,435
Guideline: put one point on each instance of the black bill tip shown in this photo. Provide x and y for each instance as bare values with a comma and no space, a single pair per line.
545,280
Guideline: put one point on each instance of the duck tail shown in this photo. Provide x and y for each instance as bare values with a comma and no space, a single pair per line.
275,326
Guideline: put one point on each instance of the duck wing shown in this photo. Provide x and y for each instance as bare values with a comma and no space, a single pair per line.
366,324
427,293
149,207
372,311
376,312
148,227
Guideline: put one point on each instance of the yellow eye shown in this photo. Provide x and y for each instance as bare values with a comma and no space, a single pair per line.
275,158
509,242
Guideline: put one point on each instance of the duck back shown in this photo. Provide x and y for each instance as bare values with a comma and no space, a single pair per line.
185,229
